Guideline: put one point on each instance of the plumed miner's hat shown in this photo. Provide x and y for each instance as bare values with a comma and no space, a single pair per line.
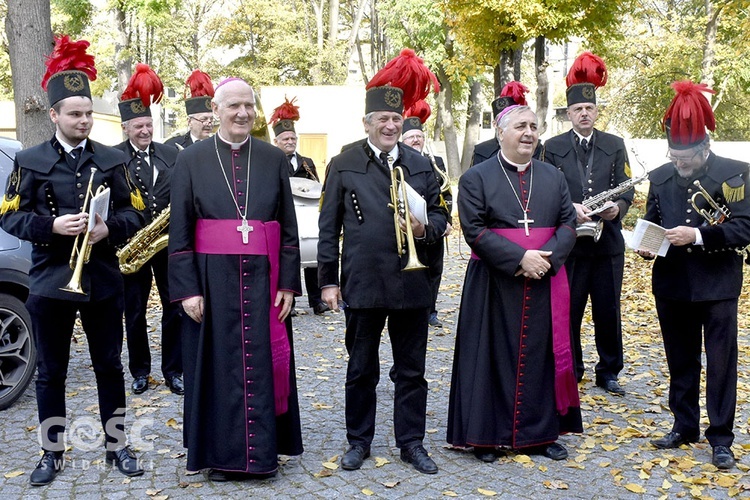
144,88
201,93
688,115
403,81
69,69
514,93
283,117
416,116
587,74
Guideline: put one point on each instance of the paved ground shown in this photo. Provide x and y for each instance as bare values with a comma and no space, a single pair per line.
612,459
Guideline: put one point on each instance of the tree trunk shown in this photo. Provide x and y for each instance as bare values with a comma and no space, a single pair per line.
333,22
318,9
354,38
29,32
709,44
542,83
123,58
517,59
445,108
473,125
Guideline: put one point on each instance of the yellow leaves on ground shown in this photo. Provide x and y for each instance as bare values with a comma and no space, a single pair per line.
487,493
330,465
555,485
15,473
634,488
380,461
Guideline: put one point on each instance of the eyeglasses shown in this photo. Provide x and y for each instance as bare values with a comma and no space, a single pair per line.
683,159
205,121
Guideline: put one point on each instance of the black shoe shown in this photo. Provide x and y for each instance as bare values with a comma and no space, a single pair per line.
217,476
293,313
723,458
554,451
485,454
354,457
126,461
611,386
321,308
434,321
140,384
418,457
673,440
175,384
47,468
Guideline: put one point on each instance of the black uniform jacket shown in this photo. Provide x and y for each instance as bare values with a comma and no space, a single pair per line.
306,173
488,149
356,197
183,141
162,157
609,167
48,187
712,271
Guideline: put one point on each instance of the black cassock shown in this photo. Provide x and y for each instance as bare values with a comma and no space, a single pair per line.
230,422
503,383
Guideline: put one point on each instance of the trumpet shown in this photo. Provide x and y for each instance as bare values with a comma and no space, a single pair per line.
81,252
717,214
400,206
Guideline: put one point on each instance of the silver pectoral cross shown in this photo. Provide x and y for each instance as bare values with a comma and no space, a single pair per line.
525,221
245,229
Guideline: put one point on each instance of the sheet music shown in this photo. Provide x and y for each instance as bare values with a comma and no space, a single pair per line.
649,237
99,204
417,204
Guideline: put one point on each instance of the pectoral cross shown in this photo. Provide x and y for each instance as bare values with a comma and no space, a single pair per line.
245,229
525,221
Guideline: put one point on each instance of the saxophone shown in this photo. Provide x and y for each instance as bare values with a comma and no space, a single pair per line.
596,204
144,244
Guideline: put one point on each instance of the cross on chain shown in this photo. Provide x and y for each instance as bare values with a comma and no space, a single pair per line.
245,229
525,221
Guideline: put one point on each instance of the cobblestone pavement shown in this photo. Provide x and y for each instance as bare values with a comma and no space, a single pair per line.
611,459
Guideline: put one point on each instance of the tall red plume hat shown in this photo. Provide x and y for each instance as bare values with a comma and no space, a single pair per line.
514,93
403,81
283,117
688,115
201,93
69,69
587,74
144,88
416,116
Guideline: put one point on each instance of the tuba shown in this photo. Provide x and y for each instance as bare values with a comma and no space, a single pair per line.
400,205
81,248
144,244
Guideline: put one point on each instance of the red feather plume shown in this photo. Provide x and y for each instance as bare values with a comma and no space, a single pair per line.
200,84
588,68
421,109
409,73
516,91
144,84
287,111
689,113
68,55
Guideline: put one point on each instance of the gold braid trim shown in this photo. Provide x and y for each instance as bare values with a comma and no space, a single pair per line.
136,200
12,198
733,194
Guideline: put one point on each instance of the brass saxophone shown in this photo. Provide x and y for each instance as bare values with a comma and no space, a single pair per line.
144,244
595,227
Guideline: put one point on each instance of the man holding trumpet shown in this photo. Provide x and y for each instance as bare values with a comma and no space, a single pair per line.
46,203
696,285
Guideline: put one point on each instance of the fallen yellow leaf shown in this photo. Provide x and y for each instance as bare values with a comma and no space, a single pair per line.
634,488
380,461
330,465
488,493
367,492
172,423
13,474
449,493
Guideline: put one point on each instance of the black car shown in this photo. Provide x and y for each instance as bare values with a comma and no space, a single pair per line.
17,350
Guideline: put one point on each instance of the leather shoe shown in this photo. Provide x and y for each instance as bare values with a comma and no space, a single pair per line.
175,384
47,468
293,313
554,451
354,457
434,321
485,454
611,386
673,440
217,476
140,384
723,457
418,457
320,308
126,461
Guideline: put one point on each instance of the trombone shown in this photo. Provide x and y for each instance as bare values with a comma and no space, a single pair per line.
81,252
400,206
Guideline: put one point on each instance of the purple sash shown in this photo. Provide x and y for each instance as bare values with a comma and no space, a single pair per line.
220,236
566,386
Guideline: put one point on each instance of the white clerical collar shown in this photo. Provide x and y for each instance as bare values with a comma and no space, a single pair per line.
67,147
520,166
234,145
581,137
393,153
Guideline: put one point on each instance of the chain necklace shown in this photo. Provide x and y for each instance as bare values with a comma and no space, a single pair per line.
525,221
243,228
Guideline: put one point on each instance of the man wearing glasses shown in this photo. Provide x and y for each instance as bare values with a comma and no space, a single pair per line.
198,108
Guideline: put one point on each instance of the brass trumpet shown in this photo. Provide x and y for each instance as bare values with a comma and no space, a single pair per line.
81,252
717,215
400,206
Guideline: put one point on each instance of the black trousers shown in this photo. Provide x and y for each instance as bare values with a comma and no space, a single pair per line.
683,327
137,291
52,322
408,333
311,284
598,277
435,254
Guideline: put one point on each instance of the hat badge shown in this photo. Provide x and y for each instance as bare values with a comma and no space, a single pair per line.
588,92
392,98
287,124
137,107
74,83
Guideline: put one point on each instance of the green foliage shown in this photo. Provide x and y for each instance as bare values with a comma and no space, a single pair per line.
70,17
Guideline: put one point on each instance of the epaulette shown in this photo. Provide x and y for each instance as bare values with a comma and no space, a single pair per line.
12,198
